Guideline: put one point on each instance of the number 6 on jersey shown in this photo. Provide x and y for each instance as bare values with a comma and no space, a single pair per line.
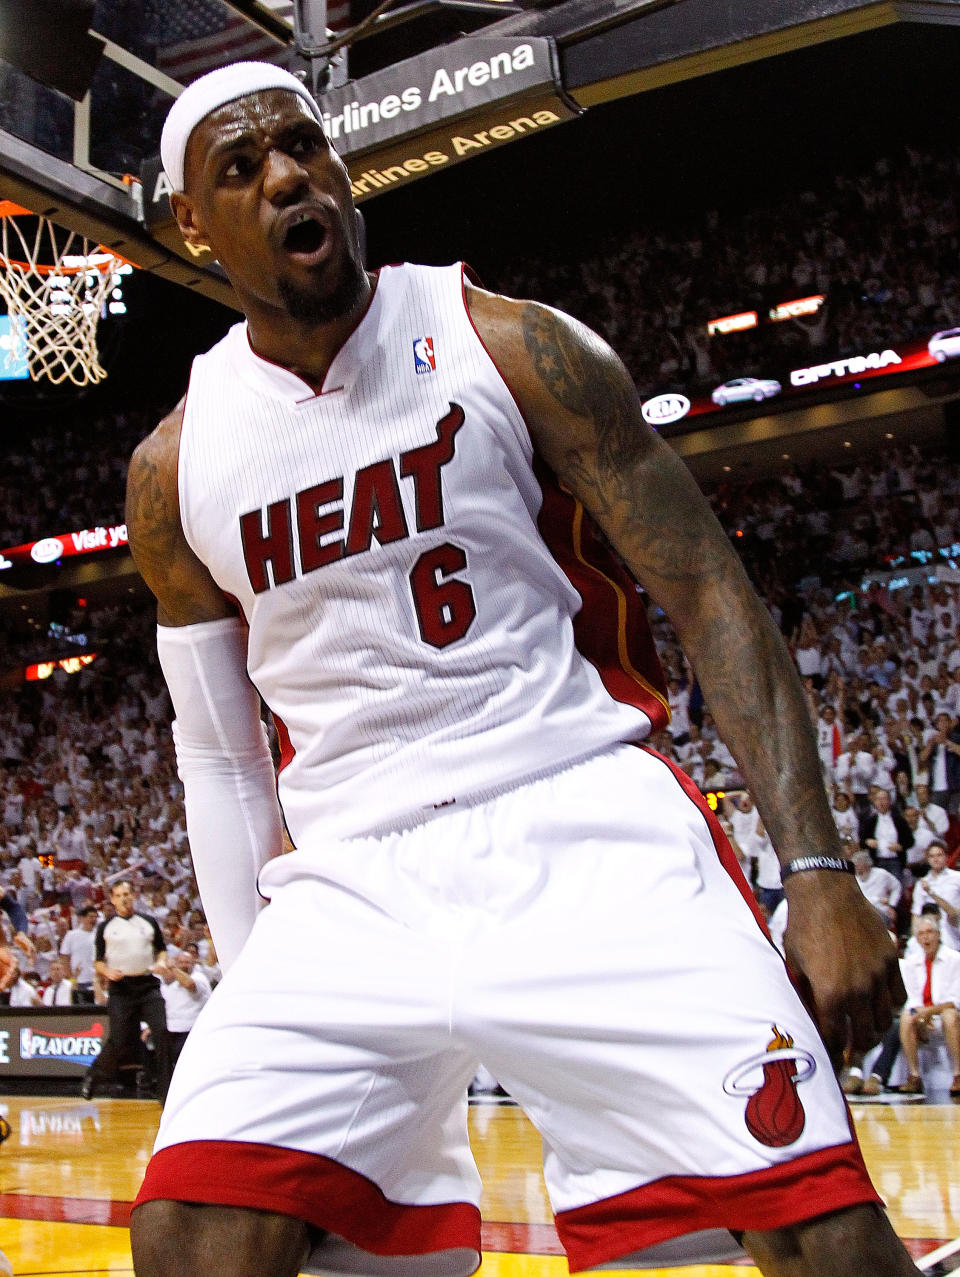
443,602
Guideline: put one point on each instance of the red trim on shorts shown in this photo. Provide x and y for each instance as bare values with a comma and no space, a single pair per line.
310,1187
776,1197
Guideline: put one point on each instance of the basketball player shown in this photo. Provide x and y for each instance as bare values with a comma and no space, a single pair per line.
350,515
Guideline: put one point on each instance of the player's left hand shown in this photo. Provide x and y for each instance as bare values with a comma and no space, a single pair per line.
843,960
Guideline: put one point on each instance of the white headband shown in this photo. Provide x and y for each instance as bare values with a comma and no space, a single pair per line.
214,90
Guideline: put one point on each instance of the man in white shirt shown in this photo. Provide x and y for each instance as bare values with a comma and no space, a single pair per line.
880,887
59,990
744,818
932,981
931,814
23,991
885,833
185,989
941,886
923,836
854,768
77,950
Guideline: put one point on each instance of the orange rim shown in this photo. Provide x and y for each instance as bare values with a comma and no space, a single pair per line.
45,268
10,209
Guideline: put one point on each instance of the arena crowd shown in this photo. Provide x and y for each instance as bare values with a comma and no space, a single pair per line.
89,791
880,245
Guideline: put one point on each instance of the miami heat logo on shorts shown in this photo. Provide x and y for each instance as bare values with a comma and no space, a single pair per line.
774,1113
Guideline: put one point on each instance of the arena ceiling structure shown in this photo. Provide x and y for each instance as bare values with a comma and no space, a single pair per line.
519,69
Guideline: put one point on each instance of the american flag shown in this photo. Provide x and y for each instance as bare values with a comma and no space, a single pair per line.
338,12
194,38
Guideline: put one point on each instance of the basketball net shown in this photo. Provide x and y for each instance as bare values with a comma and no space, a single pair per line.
54,305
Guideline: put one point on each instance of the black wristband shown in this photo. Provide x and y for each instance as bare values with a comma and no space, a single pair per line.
838,864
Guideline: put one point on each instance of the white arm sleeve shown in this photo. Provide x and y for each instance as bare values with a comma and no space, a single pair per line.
233,816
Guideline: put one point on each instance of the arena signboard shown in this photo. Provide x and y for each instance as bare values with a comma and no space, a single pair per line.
419,116
50,1042
442,106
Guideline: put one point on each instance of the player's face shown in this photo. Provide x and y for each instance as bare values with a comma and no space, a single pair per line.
271,198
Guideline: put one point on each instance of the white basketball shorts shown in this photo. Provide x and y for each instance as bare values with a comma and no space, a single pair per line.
589,937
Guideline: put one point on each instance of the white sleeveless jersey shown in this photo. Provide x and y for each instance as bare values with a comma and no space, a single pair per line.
409,628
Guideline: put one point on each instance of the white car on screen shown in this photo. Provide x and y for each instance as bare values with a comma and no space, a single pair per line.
743,388
945,345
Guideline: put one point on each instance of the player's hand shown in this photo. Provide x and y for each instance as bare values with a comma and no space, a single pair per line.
842,959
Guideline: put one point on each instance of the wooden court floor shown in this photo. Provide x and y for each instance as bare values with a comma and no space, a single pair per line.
71,1169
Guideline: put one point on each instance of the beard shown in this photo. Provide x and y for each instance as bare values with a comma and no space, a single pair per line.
310,306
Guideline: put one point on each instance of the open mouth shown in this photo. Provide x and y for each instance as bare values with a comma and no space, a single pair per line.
305,238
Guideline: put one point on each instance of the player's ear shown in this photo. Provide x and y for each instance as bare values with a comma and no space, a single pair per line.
185,213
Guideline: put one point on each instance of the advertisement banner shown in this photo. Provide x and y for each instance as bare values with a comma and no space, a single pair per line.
53,549
50,1042
672,408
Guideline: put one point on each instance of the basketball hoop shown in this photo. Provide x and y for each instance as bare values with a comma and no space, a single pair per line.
54,304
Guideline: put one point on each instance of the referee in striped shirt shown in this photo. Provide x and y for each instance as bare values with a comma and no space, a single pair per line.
126,947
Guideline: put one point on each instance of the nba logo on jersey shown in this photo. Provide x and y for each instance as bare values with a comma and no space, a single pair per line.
423,356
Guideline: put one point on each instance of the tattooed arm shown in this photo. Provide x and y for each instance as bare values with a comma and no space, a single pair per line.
186,592
584,415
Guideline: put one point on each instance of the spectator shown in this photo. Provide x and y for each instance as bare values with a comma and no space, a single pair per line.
77,950
879,886
923,836
941,887
941,756
59,990
885,832
932,980
844,816
24,990
932,814
854,769
185,990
